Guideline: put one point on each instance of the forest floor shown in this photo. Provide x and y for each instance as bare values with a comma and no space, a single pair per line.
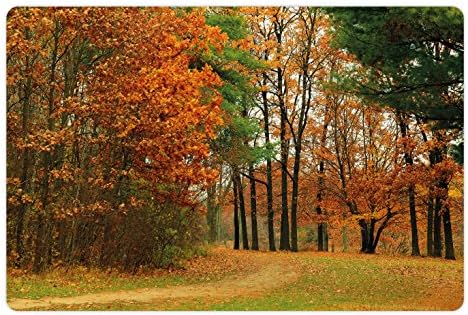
248,280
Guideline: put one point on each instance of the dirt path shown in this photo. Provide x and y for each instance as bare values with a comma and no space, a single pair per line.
272,275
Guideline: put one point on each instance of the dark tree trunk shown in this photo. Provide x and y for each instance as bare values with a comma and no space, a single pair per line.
236,213
284,229
370,237
370,249
364,234
414,225
438,211
380,230
243,218
297,136
435,215
449,251
437,228
270,212
412,205
430,203
430,223
294,197
253,208
325,237
319,233
445,214
284,234
320,230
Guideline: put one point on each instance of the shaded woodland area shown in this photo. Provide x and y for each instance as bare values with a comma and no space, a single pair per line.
134,135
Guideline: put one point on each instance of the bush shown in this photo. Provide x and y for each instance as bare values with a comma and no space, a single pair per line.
156,235
146,233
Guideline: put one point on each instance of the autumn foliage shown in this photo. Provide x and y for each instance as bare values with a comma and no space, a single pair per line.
102,103
125,124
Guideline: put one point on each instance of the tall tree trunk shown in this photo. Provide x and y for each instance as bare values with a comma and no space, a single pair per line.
318,209
319,232
411,202
297,136
236,213
212,213
437,228
414,225
26,163
434,211
253,208
284,229
438,208
245,240
284,234
294,197
430,223
270,212
445,214
430,202
449,251
218,203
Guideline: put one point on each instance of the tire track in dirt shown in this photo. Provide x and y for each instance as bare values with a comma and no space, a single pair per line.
273,274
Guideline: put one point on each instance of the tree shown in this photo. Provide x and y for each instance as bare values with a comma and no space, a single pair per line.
362,173
297,50
89,86
412,61
440,170
413,58
262,33
237,67
402,122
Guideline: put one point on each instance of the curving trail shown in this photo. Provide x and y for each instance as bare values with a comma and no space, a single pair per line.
270,275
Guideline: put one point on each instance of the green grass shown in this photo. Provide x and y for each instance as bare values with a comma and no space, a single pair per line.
350,283
38,286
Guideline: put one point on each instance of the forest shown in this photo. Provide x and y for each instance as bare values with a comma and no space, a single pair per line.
142,138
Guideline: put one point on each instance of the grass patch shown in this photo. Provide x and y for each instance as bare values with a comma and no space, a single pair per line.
79,281
360,282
